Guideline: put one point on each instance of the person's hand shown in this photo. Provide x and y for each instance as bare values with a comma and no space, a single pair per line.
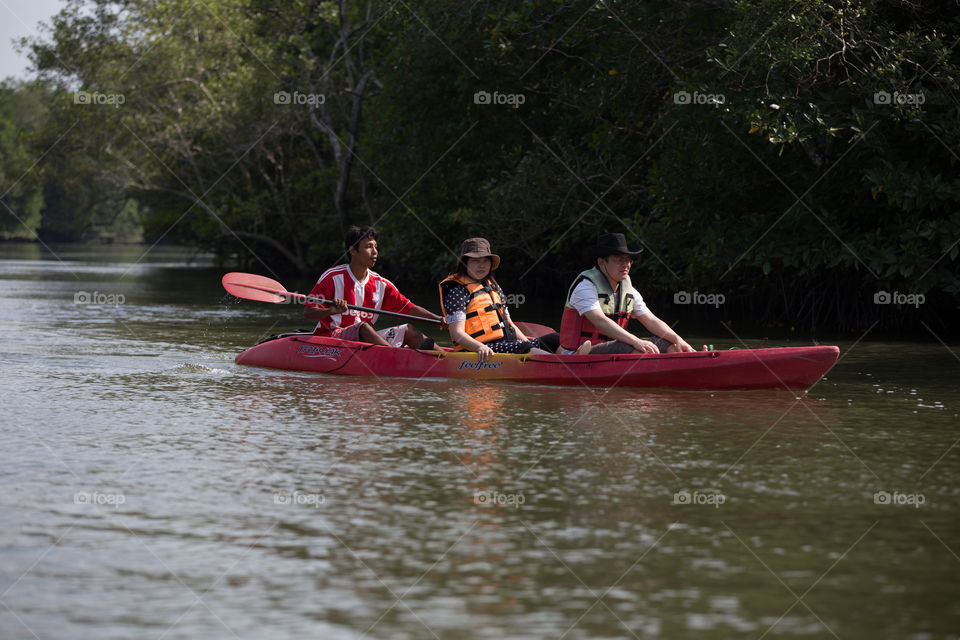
683,346
484,353
339,305
443,325
645,346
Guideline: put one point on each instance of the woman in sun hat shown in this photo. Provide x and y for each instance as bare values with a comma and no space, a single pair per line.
474,310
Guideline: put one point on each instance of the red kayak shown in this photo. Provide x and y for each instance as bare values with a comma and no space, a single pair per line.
784,367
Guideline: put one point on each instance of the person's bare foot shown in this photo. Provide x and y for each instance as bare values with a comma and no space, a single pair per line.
585,348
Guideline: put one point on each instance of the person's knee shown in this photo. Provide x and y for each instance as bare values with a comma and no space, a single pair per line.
367,331
410,332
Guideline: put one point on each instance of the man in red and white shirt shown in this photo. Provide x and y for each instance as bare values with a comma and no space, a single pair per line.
354,283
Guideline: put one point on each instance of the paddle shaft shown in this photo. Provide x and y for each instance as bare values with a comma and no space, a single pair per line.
302,299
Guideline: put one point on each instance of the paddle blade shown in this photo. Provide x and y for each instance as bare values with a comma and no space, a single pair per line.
253,287
532,329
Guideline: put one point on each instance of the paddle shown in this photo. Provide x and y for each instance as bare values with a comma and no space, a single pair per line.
262,289
532,329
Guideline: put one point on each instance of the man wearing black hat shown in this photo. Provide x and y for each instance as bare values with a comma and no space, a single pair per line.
601,302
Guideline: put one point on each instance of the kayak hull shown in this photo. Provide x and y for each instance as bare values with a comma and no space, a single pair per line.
782,367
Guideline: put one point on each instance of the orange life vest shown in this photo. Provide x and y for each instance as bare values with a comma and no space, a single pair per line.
485,322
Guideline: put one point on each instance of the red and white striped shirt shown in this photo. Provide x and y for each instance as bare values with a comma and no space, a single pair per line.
374,291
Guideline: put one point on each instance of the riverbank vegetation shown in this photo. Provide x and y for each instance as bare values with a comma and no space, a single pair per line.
798,158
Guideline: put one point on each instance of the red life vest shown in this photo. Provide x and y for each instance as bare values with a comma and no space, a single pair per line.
485,322
575,329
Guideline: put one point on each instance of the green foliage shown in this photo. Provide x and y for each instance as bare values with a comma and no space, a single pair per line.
834,152
796,156
22,114
550,174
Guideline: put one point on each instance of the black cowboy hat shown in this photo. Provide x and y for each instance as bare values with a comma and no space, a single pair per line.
611,243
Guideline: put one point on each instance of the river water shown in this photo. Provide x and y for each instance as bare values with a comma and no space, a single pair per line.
151,488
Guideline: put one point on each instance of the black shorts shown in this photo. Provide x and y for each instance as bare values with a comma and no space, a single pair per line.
615,346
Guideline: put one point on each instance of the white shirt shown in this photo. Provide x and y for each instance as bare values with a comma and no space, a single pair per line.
585,297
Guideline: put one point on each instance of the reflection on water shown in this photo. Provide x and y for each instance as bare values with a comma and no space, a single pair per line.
154,488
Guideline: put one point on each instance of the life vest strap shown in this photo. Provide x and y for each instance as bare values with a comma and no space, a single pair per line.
477,334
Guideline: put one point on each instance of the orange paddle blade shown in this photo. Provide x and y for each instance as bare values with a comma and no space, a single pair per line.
253,287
